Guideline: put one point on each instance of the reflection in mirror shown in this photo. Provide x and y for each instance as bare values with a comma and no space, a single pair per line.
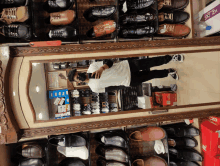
64,89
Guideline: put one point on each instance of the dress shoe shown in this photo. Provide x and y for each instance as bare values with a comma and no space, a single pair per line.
31,162
148,134
137,18
94,13
102,29
60,4
71,162
136,32
16,14
112,138
13,3
68,141
65,32
181,131
151,161
32,150
102,162
78,152
172,4
175,30
174,17
112,153
139,4
182,163
16,31
183,142
186,154
62,18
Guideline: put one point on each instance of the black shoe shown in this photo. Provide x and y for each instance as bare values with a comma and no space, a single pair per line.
60,4
14,3
186,154
137,18
94,13
66,32
174,162
71,162
136,32
16,31
34,162
112,138
173,74
183,142
181,131
69,140
139,4
174,17
102,162
112,153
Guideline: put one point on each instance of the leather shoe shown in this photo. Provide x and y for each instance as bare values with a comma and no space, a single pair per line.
68,140
138,4
175,30
182,163
173,4
151,161
62,18
183,142
99,12
173,17
112,138
32,150
32,162
181,131
148,134
71,162
102,162
186,154
112,153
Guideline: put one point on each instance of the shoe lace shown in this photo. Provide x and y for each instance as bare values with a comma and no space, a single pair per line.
12,30
168,16
9,15
57,33
167,2
168,28
55,17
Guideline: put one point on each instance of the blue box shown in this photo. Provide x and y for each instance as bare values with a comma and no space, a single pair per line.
67,100
55,94
63,93
67,93
51,95
59,93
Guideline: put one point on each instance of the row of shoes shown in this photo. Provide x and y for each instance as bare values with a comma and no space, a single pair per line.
181,143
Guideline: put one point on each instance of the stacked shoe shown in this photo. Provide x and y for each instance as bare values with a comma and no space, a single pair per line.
112,149
148,134
76,102
95,103
33,154
15,15
104,102
71,145
181,142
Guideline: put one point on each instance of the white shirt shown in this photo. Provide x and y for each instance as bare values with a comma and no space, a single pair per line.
118,74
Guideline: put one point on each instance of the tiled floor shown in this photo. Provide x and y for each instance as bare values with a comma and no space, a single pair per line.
199,78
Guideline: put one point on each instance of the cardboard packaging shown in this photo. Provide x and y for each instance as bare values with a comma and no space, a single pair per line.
166,98
215,120
211,160
210,16
210,138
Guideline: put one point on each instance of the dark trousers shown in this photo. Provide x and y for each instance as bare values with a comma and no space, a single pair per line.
140,69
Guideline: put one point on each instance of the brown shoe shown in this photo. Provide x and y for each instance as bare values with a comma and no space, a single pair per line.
16,14
151,161
175,30
32,150
148,134
62,18
172,4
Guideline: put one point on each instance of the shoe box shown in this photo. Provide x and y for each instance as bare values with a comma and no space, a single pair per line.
166,98
207,21
211,160
54,23
210,138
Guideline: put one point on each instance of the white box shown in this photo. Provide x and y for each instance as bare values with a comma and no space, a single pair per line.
56,102
144,102
61,108
211,16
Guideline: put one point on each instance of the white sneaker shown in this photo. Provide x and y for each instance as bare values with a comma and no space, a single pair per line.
174,74
178,58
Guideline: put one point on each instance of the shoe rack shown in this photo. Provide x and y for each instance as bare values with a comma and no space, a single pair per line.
40,25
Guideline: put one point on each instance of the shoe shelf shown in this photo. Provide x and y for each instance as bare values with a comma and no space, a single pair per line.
87,28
